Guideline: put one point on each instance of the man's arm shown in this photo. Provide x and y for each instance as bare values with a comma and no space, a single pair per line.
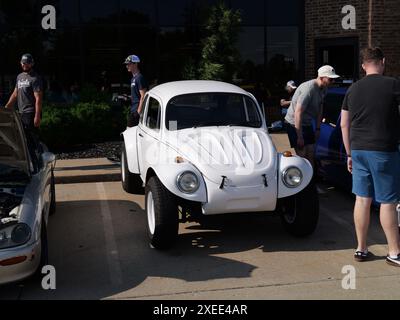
13,99
285,103
345,125
38,108
142,94
298,119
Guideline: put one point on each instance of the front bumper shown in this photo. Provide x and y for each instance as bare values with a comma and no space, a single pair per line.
240,199
22,270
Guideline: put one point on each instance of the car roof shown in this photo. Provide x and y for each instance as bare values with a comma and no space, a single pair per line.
172,89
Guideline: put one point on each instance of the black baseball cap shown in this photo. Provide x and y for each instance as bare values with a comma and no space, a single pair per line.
27,58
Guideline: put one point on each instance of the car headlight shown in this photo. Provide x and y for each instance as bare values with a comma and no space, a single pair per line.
188,182
15,235
292,177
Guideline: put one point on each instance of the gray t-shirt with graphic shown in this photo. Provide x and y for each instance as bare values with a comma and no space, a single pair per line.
311,97
27,84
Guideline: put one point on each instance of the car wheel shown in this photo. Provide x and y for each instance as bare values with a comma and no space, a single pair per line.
131,183
162,215
300,213
52,209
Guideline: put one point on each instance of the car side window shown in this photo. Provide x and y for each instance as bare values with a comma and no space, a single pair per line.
146,98
153,116
332,108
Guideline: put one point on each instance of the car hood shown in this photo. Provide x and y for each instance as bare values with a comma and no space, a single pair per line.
13,150
237,153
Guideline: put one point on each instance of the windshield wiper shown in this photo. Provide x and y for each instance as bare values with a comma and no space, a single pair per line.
245,124
208,124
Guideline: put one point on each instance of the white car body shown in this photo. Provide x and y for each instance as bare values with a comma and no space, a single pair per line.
25,199
245,156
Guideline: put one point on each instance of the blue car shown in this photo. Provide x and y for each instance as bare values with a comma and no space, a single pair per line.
330,153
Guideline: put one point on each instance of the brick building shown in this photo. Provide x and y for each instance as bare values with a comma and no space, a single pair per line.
335,32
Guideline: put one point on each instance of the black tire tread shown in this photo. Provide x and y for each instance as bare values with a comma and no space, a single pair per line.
166,215
133,183
308,213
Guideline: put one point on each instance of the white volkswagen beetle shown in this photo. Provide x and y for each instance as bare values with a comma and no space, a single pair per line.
202,148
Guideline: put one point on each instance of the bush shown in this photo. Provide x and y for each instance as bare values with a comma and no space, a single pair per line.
82,123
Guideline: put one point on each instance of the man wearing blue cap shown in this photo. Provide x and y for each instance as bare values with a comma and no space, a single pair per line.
138,90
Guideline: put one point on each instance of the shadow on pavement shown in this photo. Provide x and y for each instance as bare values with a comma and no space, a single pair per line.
78,247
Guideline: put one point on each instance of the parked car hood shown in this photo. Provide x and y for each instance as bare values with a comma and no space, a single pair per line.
13,147
238,153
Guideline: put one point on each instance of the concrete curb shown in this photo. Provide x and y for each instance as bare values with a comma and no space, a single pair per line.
110,177
77,171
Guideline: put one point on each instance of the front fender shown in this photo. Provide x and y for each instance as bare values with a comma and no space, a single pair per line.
130,141
168,175
295,161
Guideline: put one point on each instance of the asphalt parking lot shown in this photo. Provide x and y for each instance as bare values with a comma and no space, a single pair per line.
98,246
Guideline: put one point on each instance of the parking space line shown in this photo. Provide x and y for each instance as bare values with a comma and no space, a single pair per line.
114,265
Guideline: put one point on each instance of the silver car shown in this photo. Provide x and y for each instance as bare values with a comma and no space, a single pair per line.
27,197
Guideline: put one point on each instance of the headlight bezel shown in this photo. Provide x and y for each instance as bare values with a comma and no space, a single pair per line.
285,174
179,181
10,242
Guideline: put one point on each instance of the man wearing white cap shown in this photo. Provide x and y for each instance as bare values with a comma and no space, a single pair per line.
306,108
285,103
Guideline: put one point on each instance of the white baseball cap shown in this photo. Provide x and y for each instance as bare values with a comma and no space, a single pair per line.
291,84
328,72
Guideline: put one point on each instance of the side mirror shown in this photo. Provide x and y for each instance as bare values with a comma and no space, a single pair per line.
48,157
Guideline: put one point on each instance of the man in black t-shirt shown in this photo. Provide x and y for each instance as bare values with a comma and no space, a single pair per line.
371,131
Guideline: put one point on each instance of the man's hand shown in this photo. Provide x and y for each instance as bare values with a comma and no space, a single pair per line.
350,165
37,121
300,142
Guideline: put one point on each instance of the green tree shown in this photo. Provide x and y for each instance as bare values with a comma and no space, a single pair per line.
219,57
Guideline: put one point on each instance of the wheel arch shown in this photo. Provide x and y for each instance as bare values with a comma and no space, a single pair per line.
168,175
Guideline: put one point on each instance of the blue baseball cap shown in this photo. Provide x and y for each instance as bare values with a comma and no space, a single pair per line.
27,58
132,59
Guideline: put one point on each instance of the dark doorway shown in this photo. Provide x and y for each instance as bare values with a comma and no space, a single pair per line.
341,53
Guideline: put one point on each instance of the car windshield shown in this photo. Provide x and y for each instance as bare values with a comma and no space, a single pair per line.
212,109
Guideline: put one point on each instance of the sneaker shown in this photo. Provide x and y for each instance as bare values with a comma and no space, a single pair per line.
361,256
393,261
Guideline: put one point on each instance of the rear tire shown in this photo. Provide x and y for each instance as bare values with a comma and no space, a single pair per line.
162,215
300,213
131,183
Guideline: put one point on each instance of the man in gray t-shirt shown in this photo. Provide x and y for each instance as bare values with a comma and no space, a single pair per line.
306,108
28,94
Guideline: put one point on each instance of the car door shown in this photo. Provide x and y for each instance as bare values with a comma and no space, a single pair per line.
330,152
149,134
